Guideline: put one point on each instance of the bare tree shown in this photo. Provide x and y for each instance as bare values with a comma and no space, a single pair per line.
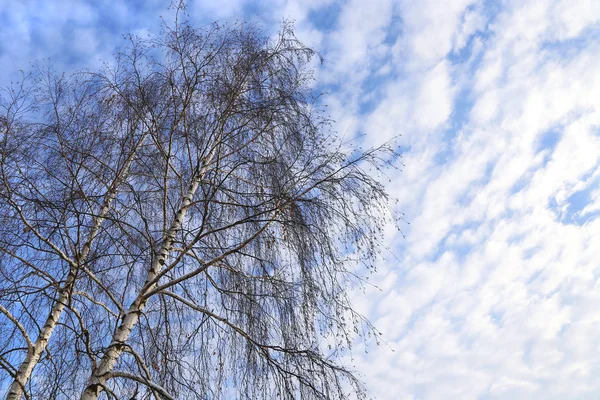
59,179
183,224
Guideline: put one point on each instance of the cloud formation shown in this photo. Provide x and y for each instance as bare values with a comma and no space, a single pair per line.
494,292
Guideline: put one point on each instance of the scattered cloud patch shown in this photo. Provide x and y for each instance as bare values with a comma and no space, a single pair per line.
494,292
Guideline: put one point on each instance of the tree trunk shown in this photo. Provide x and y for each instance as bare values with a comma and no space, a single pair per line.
24,373
64,296
101,374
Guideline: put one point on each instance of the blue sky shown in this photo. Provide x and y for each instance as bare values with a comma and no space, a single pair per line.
494,293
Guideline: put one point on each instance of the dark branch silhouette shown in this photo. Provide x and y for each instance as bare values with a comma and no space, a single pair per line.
182,224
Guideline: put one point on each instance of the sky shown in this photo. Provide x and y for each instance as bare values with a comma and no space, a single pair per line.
493,290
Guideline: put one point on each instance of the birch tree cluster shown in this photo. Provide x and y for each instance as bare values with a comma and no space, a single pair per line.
183,223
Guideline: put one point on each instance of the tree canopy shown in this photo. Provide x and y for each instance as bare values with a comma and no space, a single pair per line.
182,223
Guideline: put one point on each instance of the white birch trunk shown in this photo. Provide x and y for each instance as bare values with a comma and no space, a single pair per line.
101,374
64,293
24,372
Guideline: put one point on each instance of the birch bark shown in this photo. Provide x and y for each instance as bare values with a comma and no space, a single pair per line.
64,293
101,373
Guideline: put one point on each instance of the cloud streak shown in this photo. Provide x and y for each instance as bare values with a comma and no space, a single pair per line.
493,293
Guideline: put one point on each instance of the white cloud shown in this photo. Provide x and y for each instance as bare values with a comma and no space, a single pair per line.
494,293
431,27
497,314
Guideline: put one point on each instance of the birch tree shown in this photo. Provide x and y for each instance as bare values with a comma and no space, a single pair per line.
60,176
183,223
